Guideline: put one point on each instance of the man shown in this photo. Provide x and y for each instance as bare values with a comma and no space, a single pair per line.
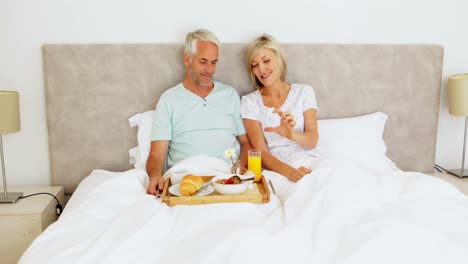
198,116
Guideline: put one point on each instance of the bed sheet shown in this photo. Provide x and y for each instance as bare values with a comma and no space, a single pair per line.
340,213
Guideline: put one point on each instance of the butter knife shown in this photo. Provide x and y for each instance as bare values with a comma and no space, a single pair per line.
203,187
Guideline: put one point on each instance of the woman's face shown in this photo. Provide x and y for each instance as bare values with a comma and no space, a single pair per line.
265,67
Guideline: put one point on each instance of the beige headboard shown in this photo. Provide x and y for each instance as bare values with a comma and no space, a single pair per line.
92,90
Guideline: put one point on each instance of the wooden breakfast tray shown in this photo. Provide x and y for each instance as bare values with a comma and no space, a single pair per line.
259,194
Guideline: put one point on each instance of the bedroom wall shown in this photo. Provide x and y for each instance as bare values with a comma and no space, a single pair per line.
27,24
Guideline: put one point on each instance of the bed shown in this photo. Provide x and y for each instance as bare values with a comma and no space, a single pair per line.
366,201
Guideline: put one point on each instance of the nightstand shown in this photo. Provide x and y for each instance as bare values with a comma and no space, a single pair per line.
460,183
23,221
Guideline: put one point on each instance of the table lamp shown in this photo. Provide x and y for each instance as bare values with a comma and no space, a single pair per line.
458,105
9,123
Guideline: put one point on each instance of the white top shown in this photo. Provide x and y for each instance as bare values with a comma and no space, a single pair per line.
301,97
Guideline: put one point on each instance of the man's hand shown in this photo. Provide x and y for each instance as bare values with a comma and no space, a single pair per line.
155,165
245,146
286,126
157,181
242,170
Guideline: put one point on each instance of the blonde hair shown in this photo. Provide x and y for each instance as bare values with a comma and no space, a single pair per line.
268,42
192,38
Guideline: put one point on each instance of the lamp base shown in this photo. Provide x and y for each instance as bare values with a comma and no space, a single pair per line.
456,172
12,197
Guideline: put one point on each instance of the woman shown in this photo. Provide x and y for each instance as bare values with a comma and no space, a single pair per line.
280,118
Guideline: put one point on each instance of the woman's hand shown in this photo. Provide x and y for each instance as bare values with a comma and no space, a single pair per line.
297,174
286,126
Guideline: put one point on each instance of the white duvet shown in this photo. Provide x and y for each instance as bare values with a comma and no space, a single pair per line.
340,213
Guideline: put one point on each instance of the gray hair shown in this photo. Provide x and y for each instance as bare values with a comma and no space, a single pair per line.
266,41
192,38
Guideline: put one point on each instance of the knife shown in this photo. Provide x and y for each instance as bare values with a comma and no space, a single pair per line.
203,187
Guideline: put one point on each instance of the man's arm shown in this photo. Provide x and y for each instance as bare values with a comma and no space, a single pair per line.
155,165
244,148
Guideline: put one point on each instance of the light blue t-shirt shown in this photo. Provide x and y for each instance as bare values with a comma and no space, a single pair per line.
197,126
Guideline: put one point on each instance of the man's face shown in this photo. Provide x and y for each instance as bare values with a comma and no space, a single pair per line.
202,67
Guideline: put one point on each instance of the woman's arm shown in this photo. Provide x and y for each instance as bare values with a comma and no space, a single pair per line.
308,139
257,141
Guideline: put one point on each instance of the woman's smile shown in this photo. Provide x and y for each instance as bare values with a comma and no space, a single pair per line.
264,76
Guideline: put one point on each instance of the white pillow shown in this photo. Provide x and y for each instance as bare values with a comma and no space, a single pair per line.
140,154
134,154
359,139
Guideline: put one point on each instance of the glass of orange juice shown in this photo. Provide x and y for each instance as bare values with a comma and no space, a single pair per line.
255,163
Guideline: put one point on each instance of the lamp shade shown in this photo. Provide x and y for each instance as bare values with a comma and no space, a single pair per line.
458,94
9,112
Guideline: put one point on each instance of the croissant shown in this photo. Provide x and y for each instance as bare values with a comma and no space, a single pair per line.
190,184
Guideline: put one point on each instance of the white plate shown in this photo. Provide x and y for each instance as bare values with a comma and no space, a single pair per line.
174,189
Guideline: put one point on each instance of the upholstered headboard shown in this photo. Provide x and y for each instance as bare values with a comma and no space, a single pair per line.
92,90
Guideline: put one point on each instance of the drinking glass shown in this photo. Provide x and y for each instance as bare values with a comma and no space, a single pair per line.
255,163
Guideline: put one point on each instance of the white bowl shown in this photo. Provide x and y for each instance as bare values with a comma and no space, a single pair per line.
229,188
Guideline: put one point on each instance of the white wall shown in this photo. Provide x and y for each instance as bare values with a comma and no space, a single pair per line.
27,24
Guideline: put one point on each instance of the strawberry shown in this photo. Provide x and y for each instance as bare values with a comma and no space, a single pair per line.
230,181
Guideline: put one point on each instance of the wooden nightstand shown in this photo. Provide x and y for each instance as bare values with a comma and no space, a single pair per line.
23,221
460,183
